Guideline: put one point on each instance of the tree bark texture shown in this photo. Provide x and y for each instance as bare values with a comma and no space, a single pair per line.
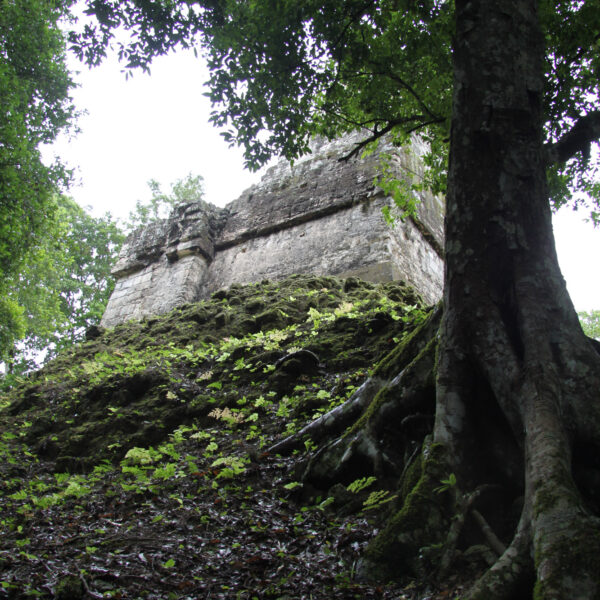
502,447
513,362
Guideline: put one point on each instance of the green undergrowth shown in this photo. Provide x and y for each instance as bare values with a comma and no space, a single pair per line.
151,441
135,384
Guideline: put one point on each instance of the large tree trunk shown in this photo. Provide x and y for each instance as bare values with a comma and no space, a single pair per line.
510,336
517,406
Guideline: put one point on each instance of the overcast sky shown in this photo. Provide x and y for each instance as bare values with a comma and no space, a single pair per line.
156,127
147,127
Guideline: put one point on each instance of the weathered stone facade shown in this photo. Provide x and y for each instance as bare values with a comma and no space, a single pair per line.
322,215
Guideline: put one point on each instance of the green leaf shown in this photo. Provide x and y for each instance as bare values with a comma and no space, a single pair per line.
360,484
292,485
590,323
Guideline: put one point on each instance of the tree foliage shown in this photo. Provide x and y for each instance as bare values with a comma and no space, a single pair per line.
35,106
590,321
64,282
572,36
188,189
62,286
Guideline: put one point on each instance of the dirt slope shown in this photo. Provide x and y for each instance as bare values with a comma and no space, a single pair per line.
138,465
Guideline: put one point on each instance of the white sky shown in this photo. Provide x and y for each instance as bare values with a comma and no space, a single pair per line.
156,127
147,127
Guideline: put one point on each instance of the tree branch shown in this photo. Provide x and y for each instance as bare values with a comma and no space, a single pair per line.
366,124
354,17
578,139
582,51
383,72
378,133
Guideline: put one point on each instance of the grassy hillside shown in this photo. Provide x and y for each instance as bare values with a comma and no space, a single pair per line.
138,465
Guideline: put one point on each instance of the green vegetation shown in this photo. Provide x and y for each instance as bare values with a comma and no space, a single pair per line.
63,283
196,363
61,289
164,425
35,105
590,322
280,74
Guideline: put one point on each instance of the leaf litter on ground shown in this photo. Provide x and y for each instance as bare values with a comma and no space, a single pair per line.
196,507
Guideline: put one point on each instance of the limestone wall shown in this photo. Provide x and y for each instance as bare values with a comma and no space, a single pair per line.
322,215
353,241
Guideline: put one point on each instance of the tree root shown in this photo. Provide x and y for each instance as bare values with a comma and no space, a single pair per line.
488,533
420,519
464,506
500,422
382,424
510,577
389,373
335,421
394,418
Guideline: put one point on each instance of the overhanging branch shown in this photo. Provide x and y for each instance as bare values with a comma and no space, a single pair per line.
378,132
578,139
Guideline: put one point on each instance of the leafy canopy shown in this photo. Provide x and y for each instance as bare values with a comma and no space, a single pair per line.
63,286
572,34
590,323
282,71
188,189
35,106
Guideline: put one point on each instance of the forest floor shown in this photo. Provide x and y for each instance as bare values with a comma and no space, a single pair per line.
138,465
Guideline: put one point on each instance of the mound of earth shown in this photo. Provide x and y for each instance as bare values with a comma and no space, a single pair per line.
144,463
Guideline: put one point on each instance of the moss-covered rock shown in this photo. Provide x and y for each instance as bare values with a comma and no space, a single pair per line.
166,426
132,385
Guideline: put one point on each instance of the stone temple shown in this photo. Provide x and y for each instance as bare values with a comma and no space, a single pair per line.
322,215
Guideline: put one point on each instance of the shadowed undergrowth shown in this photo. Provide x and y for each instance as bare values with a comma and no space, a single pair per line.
137,465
